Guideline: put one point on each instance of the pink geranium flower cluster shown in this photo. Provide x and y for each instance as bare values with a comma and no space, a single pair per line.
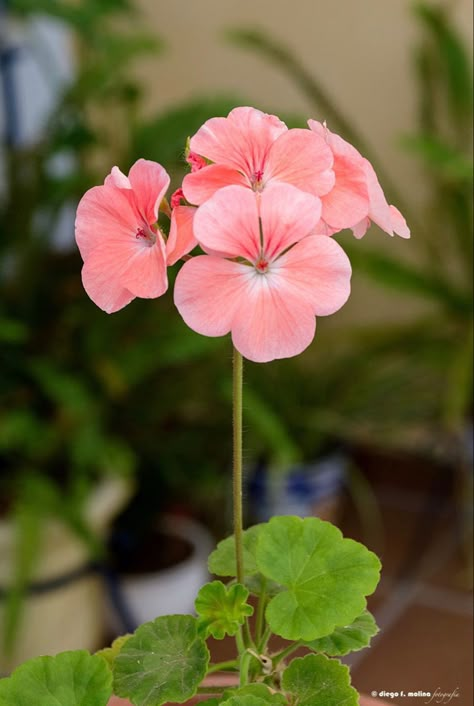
261,201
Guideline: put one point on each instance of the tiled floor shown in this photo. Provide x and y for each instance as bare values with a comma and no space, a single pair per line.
423,605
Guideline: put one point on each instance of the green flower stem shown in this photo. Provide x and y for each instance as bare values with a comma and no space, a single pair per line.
237,394
276,659
260,618
231,665
245,659
237,461
240,642
265,638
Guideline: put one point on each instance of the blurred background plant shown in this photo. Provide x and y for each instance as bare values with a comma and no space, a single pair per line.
85,396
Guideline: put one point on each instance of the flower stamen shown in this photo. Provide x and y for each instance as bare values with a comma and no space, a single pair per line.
146,234
262,265
257,180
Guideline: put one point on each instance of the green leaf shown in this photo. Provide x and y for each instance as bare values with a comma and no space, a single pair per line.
347,639
164,660
315,679
69,679
451,165
222,561
110,653
454,58
222,609
326,576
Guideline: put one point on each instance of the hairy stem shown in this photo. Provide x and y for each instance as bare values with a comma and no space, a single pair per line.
260,618
237,461
265,638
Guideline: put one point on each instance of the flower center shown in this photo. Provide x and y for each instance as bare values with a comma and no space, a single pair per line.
146,235
257,180
261,265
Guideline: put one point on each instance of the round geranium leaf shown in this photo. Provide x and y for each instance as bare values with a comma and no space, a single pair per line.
221,609
326,577
70,679
349,638
222,562
315,679
164,660
110,653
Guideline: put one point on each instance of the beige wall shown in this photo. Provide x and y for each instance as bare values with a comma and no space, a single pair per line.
359,49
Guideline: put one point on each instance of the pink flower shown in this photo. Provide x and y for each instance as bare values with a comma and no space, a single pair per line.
266,276
356,187
253,149
124,251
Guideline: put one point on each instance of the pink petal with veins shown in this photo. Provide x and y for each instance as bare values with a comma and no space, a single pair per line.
241,140
207,293
123,251
200,186
268,304
302,159
399,224
318,270
227,224
288,215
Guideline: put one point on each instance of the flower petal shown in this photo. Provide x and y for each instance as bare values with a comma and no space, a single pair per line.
399,224
107,294
315,270
145,273
271,322
103,286
104,213
379,210
241,140
348,195
288,215
301,158
361,228
227,224
207,291
348,202
200,186
132,266
149,182
181,238
117,179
